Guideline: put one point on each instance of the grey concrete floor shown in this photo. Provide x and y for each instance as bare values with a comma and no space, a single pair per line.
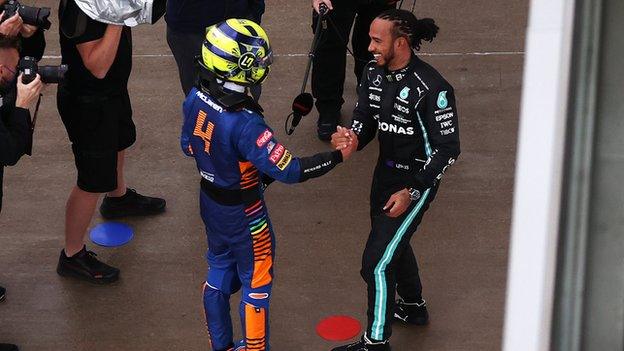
321,226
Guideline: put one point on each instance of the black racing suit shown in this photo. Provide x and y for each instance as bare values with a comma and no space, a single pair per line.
413,112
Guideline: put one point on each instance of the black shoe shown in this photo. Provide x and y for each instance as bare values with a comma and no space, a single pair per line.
131,204
411,313
84,265
325,131
8,347
2,294
365,345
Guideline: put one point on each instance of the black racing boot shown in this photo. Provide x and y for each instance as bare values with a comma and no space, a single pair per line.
131,204
85,266
8,347
2,294
365,345
411,313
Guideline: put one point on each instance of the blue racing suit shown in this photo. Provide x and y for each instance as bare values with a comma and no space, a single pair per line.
235,152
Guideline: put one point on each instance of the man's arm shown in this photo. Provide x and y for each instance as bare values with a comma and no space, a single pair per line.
98,55
441,138
16,133
257,144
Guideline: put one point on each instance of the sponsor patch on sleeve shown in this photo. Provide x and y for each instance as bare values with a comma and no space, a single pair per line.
270,146
264,138
284,161
277,153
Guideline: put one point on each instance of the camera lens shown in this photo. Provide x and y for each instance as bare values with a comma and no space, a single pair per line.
52,74
36,16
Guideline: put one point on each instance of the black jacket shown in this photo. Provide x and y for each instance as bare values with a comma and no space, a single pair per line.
414,115
15,123
15,135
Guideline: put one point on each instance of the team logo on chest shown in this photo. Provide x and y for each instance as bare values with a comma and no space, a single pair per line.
404,93
377,81
442,101
393,128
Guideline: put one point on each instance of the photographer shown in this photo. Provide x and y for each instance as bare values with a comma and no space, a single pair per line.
94,105
15,125
12,25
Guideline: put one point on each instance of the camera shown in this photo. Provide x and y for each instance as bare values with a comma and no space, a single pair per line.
49,74
36,16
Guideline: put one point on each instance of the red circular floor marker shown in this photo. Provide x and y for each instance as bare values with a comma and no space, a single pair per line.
338,328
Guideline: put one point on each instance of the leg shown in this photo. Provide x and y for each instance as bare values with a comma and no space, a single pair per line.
185,46
328,66
409,286
92,128
388,239
122,201
75,260
121,182
221,281
254,255
78,213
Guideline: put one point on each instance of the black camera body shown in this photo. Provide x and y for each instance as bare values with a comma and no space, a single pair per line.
36,16
49,74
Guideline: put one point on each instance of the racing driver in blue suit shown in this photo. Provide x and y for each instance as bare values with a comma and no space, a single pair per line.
237,156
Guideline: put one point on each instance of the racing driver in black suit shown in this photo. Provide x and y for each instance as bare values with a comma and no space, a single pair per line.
411,108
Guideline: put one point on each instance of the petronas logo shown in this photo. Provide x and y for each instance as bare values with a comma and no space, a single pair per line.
442,101
404,93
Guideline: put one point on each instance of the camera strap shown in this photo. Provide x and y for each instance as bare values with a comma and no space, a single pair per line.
34,119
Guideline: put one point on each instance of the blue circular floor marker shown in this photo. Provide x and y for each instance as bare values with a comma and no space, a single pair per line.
111,234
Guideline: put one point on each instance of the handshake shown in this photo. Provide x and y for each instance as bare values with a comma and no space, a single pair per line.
345,140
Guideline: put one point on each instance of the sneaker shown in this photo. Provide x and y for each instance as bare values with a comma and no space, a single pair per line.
411,313
2,294
325,131
84,265
365,345
131,204
8,347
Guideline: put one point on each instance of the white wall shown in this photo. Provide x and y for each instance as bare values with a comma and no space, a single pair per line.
533,251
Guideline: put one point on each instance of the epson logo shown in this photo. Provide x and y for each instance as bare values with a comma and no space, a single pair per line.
444,116
392,128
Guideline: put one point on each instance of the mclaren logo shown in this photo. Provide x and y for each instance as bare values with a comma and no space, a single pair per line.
393,128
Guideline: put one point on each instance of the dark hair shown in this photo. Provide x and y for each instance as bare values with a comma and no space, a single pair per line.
408,26
7,42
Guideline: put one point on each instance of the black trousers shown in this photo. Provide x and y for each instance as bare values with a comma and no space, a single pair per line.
389,265
185,46
328,67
